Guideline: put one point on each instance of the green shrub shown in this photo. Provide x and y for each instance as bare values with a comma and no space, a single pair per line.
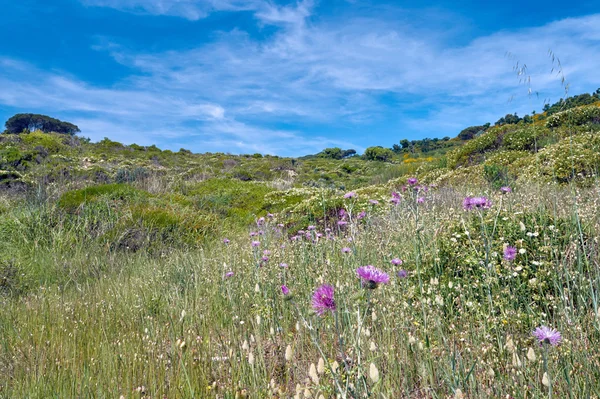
72,200
526,138
575,116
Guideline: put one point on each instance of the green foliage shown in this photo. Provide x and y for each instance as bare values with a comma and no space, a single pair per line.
472,131
496,175
473,150
571,102
30,122
71,201
526,138
378,154
575,116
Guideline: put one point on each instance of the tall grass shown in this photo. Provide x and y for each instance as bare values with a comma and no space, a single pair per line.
97,322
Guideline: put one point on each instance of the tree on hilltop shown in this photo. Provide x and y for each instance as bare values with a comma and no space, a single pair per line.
20,123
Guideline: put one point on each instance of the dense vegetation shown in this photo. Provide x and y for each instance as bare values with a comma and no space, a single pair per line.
129,271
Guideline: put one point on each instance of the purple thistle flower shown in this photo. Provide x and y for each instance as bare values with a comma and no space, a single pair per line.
342,223
260,221
372,276
395,201
510,253
253,233
256,244
361,215
270,215
322,300
228,274
300,232
402,274
280,225
396,261
396,195
373,202
420,200
351,194
285,290
283,265
266,252
505,190
346,250
319,235
265,258
342,213
470,203
547,335
311,228
226,241
412,181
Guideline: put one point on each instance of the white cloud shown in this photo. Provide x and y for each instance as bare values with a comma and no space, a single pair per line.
353,74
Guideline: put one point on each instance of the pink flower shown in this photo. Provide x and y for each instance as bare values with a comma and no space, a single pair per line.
372,276
547,335
323,301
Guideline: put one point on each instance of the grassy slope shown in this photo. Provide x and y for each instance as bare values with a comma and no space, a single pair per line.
115,258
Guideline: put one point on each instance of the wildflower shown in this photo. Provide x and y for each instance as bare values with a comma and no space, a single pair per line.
402,274
471,203
346,250
547,335
361,215
322,300
256,244
311,228
270,215
342,213
412,181
226,241
264,258
372,276
228,274
395,201
373,202
285,290
505,190
351,194
396,261
280,225
284,265
420,200
260,221
510,253
342,223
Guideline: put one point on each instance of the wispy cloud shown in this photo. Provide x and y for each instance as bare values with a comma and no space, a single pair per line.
344,78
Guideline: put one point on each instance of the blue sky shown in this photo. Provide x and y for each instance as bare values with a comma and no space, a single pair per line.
289,77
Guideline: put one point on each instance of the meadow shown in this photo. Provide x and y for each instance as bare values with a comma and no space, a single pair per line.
130,272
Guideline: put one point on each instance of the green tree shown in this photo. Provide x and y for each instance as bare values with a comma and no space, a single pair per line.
472,131
30,122
378,154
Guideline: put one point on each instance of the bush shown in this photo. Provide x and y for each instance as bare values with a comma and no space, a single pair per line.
525,138
378,154
575,116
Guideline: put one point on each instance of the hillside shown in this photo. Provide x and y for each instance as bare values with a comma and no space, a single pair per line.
133,272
